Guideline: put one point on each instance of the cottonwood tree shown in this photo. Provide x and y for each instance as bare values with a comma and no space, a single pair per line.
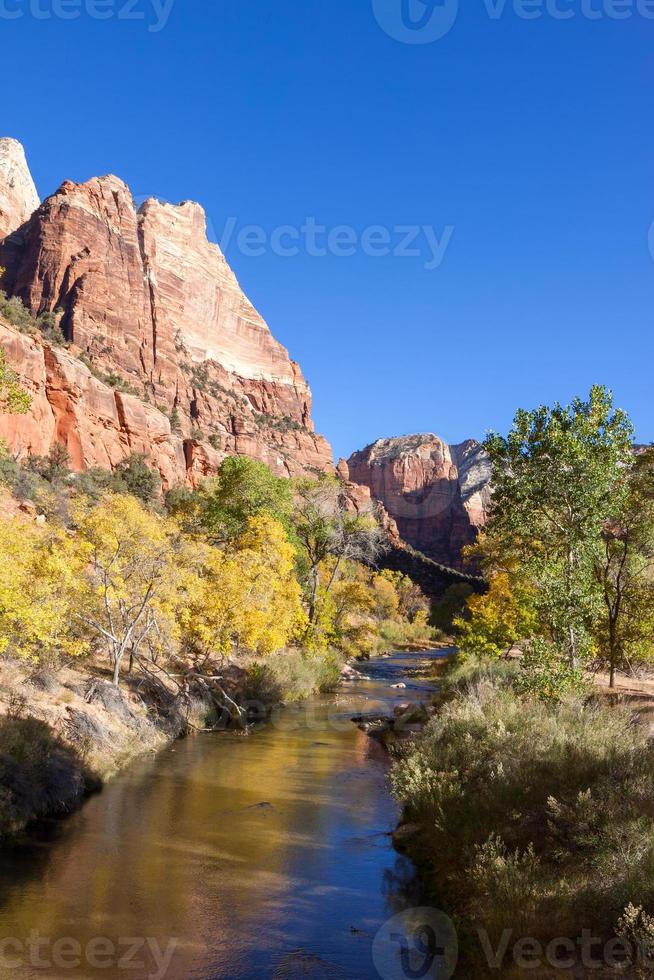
559,477
134,582
625,571
246,597
325,528
40,572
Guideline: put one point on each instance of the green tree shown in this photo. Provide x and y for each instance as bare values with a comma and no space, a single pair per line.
244,488
559,477
450,605
325,527
133,475
625,571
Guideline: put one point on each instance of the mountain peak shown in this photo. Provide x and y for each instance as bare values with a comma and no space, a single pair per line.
18,196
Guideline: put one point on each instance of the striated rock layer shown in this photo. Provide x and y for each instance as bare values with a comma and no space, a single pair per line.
438,495
174,358
18,197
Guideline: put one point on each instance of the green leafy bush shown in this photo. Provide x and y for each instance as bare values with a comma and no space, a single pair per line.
16,313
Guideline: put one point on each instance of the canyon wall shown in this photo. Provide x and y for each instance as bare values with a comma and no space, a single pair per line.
438,495
150,346
18,196
165,354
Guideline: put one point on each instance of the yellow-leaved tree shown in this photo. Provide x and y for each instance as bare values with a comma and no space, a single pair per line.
40,574
499,618
270,612
135,581
247,597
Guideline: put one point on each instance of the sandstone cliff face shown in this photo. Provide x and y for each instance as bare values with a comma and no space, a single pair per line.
18,197
438,495
153,308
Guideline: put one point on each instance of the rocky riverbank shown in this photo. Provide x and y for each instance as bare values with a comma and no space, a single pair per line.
65,731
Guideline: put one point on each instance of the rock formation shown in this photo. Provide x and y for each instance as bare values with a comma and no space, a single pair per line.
18,197
438,495
165,351
164,355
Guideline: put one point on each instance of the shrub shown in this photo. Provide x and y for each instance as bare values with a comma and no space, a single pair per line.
465,672
16,313
39,773
537,814
292,676
175,424
133,475
54,467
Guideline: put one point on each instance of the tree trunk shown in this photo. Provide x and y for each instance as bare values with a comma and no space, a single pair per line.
313,601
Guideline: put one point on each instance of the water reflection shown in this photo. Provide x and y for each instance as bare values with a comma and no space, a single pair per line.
263,857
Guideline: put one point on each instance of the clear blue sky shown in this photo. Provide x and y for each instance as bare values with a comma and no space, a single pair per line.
534,139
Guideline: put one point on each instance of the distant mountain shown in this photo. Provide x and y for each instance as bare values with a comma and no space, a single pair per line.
438,495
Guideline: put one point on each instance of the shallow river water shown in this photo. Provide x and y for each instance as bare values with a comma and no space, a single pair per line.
224,856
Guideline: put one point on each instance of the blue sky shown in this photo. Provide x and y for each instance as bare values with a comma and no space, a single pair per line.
531,140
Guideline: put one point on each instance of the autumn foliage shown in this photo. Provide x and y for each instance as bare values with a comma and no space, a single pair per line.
243,567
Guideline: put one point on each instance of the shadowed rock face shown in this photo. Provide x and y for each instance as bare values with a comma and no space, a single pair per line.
437,494
152,306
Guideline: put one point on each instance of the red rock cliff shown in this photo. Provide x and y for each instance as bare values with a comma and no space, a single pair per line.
438,495
164,332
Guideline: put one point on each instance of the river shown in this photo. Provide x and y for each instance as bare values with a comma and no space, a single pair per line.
223,856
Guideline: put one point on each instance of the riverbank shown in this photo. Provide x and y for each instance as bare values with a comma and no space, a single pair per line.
66,731
258,857
534,822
